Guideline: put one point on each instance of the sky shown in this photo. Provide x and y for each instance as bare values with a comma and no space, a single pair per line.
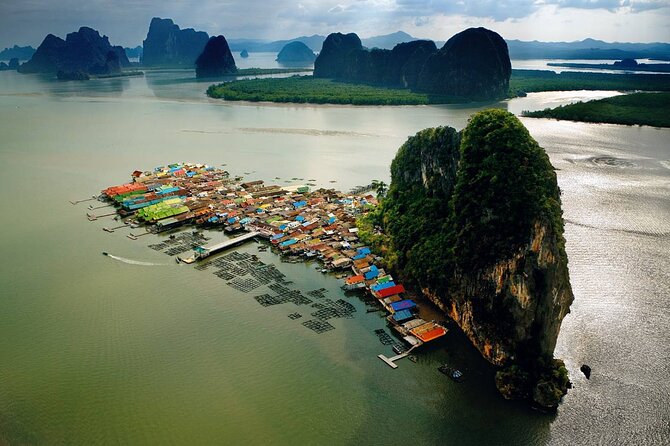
26,22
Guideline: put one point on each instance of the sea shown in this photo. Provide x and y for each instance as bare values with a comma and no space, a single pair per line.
133,348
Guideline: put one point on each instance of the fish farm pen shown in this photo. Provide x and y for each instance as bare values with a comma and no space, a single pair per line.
294,222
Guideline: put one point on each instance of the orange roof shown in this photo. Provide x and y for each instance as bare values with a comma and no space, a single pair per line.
362,263
431,334
355,279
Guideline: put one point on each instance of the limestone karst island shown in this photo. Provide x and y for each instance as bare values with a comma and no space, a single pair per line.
335,223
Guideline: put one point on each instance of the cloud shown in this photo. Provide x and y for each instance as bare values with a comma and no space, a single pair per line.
421,21
633,6
501,10
126,21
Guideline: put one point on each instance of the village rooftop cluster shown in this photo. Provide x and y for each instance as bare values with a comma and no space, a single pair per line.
319,225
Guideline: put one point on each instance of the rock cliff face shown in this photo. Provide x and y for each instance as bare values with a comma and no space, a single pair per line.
343,57
473,64
20,52
216,59
295,52
473,219
13,65
337,57
82,51
167,45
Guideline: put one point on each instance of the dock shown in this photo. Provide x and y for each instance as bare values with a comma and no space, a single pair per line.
216,247
202,252
391,362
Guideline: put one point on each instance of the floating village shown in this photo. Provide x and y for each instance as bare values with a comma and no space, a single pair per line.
296,223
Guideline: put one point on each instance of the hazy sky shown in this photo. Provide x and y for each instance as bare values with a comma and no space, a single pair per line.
126,21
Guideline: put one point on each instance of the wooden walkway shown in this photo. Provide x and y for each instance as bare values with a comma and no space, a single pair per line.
220,246
391,361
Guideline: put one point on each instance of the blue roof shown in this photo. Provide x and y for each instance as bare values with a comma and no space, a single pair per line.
167,190
372,273
363,251
289,242
276,236
359,257
299,204
402,315
300,218
331,220
381,286
245,220
403,305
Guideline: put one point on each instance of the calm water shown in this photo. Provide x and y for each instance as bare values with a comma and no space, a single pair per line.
98,351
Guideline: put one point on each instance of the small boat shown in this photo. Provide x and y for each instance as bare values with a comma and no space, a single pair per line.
452,373
105,253
399,349
324,270
413,358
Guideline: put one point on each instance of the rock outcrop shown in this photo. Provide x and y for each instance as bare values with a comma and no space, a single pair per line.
13,65
168,45
473,219
244,54
337,58
216,59
20,52
473,64
343,57
82,51
296,53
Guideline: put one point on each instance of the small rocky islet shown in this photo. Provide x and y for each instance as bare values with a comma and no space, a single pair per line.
82,53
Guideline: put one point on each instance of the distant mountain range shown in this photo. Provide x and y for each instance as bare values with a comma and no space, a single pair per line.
584,49
587,49
387,41
19,52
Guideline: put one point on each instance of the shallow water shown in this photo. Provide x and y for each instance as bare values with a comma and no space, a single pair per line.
100,351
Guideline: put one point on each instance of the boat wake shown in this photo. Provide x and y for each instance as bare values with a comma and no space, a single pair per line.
135,262
650,233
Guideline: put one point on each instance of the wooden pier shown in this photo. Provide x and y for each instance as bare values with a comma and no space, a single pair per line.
216,247
202,252
391,362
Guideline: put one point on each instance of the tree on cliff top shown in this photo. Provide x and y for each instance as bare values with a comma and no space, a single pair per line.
505,183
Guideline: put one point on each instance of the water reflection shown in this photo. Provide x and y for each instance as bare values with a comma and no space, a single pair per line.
90,88
296,65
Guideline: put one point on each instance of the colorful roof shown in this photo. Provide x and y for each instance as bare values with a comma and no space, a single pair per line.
355,279
397,289
403,305
402,315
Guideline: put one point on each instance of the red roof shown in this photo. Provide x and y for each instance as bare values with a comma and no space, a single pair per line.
386,292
